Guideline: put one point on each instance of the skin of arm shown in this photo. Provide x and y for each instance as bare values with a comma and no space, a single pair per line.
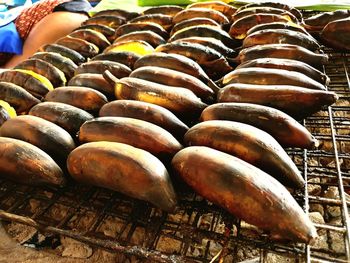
48,30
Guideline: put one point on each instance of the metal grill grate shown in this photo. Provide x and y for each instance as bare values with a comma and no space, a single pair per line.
200,231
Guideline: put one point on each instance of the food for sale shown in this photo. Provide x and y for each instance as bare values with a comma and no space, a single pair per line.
66,65
84,98
222,7
135,132
194,22
91,36
278,25
76,57
148,36
245,191
206,31
112,21
295,101
264,10
213,63
319,21
94,81
211,43
169,10
249,144
240,27
35,84
336,34
287,64
176,79
43,68
165,21
141,26
117,69
125,169
148,112
195,12
107,31
280,36
287,131
27,164
180,101
138,47
291,9
64,115
270,76
81,46
126,58
283,51
127,15
176,62
17,96
46,135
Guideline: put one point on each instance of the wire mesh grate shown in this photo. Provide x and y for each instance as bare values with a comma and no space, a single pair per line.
200,231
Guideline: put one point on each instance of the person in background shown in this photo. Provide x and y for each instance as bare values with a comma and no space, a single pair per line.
44,22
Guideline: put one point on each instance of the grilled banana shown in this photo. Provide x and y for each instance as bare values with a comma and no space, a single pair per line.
64,115
107,31
127,15
112,21
240,27
319,21
43,68
337,34
117,69
165,21
280,36
245,191
194,22
270,76
124,57
125,169
27,164
81,46
66,65
46,135
287,131
148,36
94,81
91,36
84,98
222,7
17,96
138,47
200,12
76,57
141,26
295,101
176,79
148,112
283,51
170,10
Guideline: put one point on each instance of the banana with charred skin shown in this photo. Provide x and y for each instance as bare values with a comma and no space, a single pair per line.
27,164
17,96
200,12
222,7
287,131
83,47
174,78
295,101
46,135
170,10
286,51
165,21
148,36
91,36
117,69
112,21
75,56
135,132
337,34
66,65
123,168
245,191
43,68
197,21
287,64
94,81
124,57
141,26
148,112
84,98
64,115
280,36
249,144
182,102
270,76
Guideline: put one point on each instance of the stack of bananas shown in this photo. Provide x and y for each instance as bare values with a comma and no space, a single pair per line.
207,95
